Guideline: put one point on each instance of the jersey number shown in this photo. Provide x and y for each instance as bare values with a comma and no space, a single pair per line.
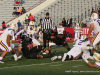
80,42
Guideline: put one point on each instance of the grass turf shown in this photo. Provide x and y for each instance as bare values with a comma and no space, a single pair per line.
46,66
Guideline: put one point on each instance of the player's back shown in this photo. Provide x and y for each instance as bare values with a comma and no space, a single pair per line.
79,43
5,33
96,23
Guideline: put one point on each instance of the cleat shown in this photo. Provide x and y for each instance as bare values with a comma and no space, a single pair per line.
54,58
19,57
1,62
64,57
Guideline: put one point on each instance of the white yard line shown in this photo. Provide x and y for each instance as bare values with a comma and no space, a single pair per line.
77,65
56,65
42,64
25,65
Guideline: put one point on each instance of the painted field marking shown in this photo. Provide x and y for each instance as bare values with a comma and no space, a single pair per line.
56,65
77,65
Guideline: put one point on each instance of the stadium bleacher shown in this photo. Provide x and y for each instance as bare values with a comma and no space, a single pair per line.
7,6
77,9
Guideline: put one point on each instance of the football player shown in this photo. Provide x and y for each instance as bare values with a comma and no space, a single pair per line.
57,37
30,52
77,30
95,57
95,27
76,51
5,39
30,31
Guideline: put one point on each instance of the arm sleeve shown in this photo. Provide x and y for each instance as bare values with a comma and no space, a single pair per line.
86,48
19,32
11,32
91,21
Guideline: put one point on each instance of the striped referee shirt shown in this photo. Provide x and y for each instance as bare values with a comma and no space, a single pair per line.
47,23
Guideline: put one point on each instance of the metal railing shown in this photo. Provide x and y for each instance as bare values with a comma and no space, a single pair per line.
30,8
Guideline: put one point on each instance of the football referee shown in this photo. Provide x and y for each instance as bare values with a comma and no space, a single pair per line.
46,23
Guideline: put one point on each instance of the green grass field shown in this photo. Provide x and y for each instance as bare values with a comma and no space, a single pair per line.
46,66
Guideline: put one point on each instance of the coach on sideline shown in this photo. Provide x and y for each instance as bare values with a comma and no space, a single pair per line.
46,23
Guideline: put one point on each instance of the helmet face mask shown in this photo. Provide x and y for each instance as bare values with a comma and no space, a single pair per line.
24,38
31,25
96,57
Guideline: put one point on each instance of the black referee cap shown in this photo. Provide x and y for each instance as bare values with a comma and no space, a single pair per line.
47,13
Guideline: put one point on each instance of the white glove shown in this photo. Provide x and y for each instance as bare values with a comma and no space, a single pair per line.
86,48
10,48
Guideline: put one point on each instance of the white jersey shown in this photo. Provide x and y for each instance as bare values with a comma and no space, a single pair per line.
77,29
5,33
31,33
80,44
96,25
60,30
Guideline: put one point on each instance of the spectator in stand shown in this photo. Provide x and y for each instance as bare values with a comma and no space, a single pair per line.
81,24
98,8
38,28
18,11
26,19
40,20
23,10
31,17
21,2
69,22
98,14
92,11
64,22
40,36
14,13
55,27
16,2
3,25
19,24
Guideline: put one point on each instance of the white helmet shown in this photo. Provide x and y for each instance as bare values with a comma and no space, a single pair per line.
31,24
14,26
77,24
94,16
96,57
83,37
